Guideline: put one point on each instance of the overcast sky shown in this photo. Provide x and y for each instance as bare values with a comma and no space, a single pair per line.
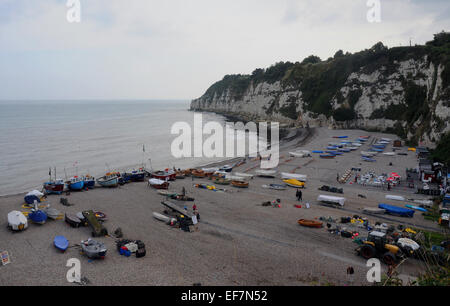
175,49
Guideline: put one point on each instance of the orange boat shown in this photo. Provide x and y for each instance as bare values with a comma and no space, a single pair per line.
310,223
239,184
198,173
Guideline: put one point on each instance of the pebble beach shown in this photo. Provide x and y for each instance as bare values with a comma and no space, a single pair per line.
237,241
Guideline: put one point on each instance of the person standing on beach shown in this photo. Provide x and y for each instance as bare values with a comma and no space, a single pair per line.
299,195
194,207
337,177
350,275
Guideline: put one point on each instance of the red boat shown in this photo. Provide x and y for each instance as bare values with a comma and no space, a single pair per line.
54,186
164,175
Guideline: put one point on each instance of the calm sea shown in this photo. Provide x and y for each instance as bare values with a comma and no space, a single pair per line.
81,137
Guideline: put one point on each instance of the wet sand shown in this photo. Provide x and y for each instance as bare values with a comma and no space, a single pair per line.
238,242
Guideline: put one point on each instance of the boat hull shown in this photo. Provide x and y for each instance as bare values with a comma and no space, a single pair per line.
310,223
112,182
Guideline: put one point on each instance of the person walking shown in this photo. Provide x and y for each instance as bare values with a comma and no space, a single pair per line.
299,195
350,275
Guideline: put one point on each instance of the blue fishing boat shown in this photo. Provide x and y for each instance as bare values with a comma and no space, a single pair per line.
379,146
37,216
89,181
376,150
340,137
136,175
76,183
61,243
337,153
111,179
395,210
344,150
317,152
368,159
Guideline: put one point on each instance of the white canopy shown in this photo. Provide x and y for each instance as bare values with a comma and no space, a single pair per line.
35,193
331,199
154,181
394,197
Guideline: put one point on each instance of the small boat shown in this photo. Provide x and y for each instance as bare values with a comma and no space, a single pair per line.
368,159
395,210
266,173
337,153
416,207
240,184
37,216
345,150
89,181
221,181
226,168
379,146
318,152
299,177
163,218
17,221
158,184
340,137
75,183
300,153
179,175
389,153
136,175
93,249
245,175
164,175
364,153
294,183
61,243
310,223
373,210
54,186
328,156
356,144
166,193
332,148
353,148
110,179
33,196
394,197
376,150
73,220
52,213
276,186
331,200
198,173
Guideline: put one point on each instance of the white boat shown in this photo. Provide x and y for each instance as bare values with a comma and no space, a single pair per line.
162,217
356,144
247,175
363,153
210,170
386,139
17,221
266,173
389,153
299,177
353,148
331,200
395,198
373,210
427,203
235,177
300,153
